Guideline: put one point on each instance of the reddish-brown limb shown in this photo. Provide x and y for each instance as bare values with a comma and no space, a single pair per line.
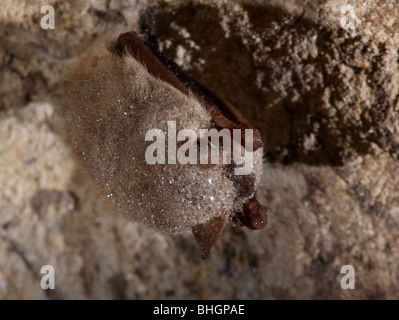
253,216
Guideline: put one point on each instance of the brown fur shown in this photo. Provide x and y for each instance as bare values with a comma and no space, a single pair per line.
110,102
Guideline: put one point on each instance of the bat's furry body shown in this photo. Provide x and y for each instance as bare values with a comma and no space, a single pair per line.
122,88
110,104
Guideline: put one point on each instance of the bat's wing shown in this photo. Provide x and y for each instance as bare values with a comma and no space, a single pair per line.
207,233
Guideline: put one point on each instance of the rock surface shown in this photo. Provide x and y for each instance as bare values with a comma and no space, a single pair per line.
321,81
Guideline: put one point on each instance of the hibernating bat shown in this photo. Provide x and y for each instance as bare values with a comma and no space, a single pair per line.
121,89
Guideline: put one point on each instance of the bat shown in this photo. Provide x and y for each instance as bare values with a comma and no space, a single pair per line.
122,89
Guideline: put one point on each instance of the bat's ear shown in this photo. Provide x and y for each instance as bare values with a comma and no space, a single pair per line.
207,233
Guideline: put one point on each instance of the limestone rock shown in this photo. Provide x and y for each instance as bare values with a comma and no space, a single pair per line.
320,79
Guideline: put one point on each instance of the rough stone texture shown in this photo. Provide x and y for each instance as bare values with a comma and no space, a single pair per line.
325,98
